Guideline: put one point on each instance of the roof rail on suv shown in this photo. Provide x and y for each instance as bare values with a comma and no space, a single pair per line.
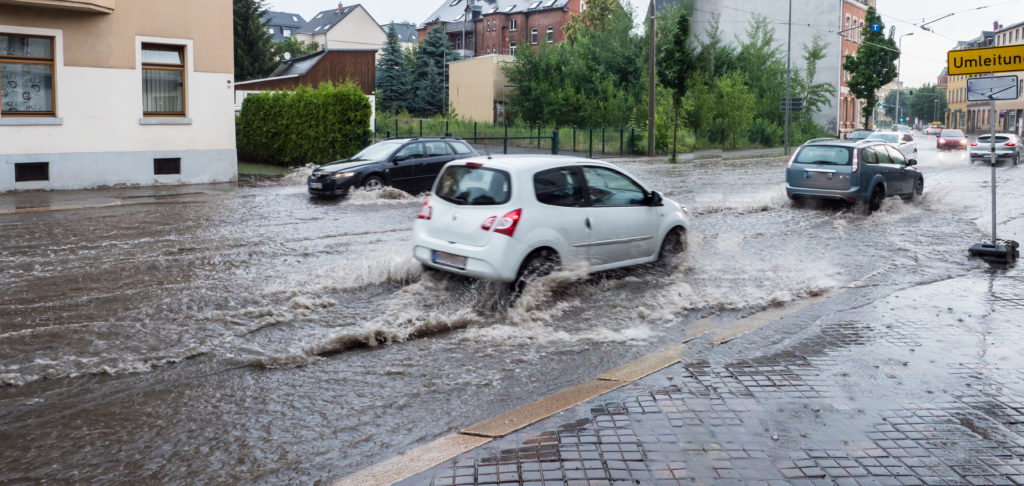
821,139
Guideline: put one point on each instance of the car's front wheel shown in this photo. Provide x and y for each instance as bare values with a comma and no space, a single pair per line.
373,183
674,244
918,189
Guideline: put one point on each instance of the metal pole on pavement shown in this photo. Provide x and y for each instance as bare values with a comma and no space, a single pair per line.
899,61
789,49
652,35
992,150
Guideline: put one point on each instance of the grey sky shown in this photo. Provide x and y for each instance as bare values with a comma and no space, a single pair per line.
924,52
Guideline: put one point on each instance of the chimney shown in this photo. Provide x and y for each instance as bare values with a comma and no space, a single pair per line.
340,6
995,25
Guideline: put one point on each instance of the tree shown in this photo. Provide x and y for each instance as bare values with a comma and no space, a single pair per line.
253,57
816,95
874,65
596,17
429,77
393,78
761,61
292,48
676,65
716,57
927,103
734,103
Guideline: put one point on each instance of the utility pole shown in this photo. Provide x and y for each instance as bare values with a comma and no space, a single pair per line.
789,50
652,35
899,87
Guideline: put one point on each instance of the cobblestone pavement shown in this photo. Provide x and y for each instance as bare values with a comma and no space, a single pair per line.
923,387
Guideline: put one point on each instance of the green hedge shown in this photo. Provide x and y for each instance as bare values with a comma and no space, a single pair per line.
304,126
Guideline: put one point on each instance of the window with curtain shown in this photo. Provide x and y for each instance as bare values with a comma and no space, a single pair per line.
26,75
163,80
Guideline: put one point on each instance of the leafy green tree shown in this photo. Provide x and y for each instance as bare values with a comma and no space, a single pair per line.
429,75
735,106
598,15
393,75
676,64
815,95
889,104
928,103
874,65
253,57
762,63
716,57
292,48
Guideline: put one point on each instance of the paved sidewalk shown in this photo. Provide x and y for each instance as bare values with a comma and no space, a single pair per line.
16,202
920,387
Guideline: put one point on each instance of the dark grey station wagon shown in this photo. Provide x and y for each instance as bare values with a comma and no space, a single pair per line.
860,172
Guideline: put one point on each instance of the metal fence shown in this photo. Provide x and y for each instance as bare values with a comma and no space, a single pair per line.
517,138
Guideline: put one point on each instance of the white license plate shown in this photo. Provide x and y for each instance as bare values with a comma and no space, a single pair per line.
316,185
449,260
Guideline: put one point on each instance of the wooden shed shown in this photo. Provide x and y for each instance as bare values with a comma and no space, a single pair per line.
334,65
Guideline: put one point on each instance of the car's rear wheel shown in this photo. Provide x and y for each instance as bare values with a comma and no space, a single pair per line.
373,183
673,245
538,264
875,201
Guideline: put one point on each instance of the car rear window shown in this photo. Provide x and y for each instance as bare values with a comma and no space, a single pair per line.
952,133
460,147
823,154
988,139
474,186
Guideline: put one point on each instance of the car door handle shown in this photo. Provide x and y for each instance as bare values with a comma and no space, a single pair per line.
587,222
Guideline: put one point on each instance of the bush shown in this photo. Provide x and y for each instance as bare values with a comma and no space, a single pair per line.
766,133
304,126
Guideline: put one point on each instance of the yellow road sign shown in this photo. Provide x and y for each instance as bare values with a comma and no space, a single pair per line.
986,60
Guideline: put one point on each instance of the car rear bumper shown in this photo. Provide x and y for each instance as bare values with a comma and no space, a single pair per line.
498,260
851,196
986,156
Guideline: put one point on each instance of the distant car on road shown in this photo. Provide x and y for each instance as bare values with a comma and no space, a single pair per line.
901,128
932,130
903,141
516,218
863,173
860,134
951,139
409,164
1007,148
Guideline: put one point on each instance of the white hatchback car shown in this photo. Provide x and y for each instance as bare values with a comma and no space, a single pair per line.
513,218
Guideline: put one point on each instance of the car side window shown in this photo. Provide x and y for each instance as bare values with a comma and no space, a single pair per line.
868,155
435,149
609,188
411,151
897,156
559,187
460,147
881,154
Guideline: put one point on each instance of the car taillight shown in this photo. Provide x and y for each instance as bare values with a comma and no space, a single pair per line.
426,211
506,225
1011,144
856,160
974,144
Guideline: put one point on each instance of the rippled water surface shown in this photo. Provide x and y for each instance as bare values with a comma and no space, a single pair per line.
261,336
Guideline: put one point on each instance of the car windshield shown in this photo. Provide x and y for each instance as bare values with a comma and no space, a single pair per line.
378,151
470,185
860,133
952,133
888,137
823,154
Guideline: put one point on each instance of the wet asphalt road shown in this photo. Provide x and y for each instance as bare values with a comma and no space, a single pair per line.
260,336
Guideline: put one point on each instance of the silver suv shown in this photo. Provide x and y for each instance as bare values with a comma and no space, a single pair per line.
1007,147
862,172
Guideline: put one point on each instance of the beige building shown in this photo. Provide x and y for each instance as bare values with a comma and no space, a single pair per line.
1009,112
346,27
478,89
104,92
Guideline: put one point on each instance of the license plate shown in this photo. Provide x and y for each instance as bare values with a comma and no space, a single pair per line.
316,185
449,260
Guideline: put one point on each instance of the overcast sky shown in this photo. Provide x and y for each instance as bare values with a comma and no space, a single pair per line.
924,52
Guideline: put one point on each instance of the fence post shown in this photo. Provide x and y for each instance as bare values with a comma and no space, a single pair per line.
632,139
574,138
447,130
389,133
602,140
591,149
554,142
396,127
622,134
506,139
474,132
538,135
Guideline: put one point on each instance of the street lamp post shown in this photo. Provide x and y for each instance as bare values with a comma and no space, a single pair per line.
899,87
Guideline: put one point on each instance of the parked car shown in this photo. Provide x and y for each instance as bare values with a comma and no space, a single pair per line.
1007,148
860,134
903,141
514,218
901,128
952,139
409,164
862,172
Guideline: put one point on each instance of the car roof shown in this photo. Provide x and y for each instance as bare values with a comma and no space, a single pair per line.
532,162
421,139
846,143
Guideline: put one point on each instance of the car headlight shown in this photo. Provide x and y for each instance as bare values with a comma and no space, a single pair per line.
342,175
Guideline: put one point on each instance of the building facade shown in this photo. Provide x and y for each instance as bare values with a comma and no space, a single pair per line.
484,27
104,93
346,27
478,89
836,22
282,25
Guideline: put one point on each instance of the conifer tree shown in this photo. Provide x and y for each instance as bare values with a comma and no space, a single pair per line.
253,56
429,83
393,76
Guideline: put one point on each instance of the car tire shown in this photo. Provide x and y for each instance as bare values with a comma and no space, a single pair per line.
875,201
373,183
673,245
918,189
536,265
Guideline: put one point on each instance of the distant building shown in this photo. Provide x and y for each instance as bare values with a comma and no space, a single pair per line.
349,27
970,116
282,24
105,93
483,27
407,35
478,89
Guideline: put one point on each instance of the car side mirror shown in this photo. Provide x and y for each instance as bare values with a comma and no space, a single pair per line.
911,162
400,158
654,198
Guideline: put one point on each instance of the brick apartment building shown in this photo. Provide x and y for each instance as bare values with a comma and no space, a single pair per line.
483,27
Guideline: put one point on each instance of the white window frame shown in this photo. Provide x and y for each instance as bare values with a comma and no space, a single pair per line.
512,48
533,36
513,24
190,72
550,35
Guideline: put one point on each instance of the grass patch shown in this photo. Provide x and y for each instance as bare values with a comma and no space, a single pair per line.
250,169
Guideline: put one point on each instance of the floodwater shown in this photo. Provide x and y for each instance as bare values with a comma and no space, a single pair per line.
266,337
